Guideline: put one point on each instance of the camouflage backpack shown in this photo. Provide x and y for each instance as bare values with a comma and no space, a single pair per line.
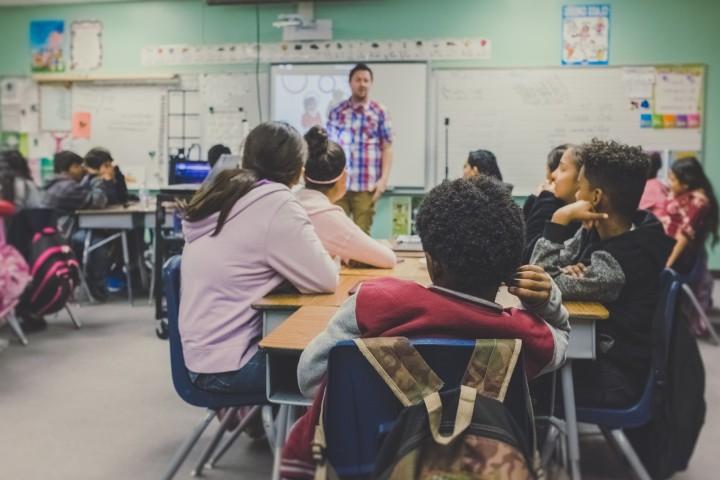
474,437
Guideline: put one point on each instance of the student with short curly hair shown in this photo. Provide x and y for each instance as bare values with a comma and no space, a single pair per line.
472,233
615,259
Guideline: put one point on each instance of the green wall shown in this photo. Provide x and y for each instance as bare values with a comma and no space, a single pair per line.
523,33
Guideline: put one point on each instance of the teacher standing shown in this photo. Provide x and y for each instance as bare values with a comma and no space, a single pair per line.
361,126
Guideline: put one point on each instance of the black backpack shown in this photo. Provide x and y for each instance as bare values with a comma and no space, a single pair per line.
55,273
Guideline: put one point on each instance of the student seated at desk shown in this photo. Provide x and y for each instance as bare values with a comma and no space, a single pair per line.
16,182
70,190
690,216
551,164
558,190
483,162
656,192
246,235
325,184
103,173
217,156
472,233
616,259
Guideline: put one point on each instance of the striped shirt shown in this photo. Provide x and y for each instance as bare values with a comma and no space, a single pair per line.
362,130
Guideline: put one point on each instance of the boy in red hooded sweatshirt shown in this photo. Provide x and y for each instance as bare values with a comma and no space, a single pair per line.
473,236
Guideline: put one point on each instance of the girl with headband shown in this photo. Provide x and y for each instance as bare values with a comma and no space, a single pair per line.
325,184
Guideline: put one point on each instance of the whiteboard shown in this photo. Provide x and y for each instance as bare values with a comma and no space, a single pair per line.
521,114
226,100
129,122
400,87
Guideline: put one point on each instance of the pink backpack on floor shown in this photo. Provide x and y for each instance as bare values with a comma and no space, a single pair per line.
14,271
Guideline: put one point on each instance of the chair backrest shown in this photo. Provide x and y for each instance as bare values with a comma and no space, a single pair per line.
22,227
360,408
663,320
181,379
665,317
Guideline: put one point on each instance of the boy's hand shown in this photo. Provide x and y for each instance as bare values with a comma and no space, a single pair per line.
575,271
531,285
582,210
107,172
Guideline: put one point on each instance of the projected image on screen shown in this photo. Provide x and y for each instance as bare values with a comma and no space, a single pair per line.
304,99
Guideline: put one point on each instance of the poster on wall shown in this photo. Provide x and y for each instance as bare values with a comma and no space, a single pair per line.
47,44
586,34
86,45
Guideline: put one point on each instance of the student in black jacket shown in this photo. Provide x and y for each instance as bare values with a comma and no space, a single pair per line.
562,183
616,259
105,175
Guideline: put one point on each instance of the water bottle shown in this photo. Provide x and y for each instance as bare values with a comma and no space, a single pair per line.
144,195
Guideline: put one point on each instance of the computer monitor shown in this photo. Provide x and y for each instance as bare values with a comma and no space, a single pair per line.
186,171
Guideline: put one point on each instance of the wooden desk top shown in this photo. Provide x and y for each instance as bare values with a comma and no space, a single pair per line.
306,323
299,329
410,269
407,268
295,300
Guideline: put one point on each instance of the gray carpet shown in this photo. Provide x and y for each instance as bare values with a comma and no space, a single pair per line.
98,403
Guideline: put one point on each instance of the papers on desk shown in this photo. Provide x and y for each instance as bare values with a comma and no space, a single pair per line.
408,243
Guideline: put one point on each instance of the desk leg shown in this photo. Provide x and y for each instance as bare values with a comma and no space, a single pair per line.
153,249
140,259
280,432
86,251
568,391
126,260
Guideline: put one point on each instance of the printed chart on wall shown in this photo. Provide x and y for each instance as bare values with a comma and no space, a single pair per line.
521,114
585,34
304,94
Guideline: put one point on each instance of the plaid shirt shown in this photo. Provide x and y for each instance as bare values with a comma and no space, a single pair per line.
362,131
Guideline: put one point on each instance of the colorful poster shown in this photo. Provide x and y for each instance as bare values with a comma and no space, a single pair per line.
14,141
401,213
47,44
586,34
81,125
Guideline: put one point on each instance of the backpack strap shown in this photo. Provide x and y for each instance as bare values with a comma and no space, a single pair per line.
401,367
411,379
491,366
488,373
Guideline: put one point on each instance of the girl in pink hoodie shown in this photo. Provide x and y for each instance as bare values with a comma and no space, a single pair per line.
246,234
325,184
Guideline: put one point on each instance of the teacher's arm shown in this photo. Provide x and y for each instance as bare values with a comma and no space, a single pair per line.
387,159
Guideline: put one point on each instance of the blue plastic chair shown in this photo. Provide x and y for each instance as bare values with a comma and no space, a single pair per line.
190,393
612,421
692,278
360,408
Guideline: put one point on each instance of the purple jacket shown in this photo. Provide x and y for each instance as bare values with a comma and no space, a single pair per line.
267,238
